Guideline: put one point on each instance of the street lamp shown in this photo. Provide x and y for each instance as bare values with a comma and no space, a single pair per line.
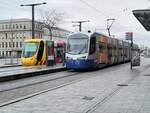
32,5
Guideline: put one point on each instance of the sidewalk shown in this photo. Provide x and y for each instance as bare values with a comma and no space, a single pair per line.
135,98
100,94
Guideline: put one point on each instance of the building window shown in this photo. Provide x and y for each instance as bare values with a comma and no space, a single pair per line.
16,26
6,35
9,44
20,26
24,27
6,44
9,53
6,53
2,53
13,44
2,44
20,44
16,44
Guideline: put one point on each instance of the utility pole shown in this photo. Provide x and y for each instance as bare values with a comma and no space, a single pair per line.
32,5
80,24
131,53
11,45
109,26
129,36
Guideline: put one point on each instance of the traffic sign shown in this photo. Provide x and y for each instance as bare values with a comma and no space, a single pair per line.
129,35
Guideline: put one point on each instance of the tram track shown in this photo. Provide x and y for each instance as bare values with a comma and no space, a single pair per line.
35,94
22,88
67,79
31,84
60,79
26,87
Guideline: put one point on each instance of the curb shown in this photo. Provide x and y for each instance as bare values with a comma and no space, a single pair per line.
5,66
30,74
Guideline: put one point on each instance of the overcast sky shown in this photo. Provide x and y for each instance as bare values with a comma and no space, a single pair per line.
97,11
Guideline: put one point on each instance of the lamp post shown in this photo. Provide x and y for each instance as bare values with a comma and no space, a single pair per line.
32,5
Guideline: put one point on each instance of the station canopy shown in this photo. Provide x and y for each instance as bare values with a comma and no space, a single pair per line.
144,17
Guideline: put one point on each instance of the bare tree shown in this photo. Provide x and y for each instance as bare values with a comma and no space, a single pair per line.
51,19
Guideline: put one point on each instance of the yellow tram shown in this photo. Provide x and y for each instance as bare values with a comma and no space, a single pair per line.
34,51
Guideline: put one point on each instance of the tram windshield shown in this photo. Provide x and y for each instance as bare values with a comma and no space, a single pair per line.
77,44
29,49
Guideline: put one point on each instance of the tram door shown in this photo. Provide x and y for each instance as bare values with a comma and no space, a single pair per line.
58,54
40,51
49,53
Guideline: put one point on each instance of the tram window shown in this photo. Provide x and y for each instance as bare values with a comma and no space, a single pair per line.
58,54
92,45
102,47
40,52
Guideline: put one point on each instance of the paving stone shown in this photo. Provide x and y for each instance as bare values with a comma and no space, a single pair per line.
69,99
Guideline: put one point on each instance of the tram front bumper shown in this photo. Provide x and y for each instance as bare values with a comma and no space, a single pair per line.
80,64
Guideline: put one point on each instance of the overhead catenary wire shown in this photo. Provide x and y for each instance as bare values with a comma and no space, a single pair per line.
97,10
104,14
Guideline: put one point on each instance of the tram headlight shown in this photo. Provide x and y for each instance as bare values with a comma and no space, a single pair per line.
68,58
84,57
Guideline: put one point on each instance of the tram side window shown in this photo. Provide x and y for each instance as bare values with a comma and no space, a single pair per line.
102,47
92,45
58,54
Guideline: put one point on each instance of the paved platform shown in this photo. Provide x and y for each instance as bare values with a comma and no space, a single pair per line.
16,72
115,90
8,62
9,65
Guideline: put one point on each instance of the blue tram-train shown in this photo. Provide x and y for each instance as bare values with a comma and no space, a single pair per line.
95,50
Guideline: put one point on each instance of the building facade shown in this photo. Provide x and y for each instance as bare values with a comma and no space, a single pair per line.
13,32
57,34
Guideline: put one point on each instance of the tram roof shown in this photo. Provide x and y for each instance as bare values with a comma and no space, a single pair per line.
143,17
78,33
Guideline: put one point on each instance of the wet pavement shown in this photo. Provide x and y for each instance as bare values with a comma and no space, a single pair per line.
16,72
116,90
